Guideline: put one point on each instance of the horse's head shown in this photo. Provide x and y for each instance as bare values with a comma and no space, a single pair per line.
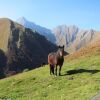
61,50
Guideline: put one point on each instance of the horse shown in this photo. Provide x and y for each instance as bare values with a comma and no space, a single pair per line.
55,59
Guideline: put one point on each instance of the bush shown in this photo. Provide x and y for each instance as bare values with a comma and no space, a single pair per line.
25,70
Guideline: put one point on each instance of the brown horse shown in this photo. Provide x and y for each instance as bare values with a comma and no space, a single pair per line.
55,59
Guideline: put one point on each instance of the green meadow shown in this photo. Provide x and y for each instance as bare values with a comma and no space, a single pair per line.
80,80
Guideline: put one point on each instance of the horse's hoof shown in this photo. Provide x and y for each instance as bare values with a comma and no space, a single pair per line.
53,73
59,74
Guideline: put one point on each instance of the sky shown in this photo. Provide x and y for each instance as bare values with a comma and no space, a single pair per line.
51,13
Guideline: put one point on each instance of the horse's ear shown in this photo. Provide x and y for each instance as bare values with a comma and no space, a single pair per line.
63,46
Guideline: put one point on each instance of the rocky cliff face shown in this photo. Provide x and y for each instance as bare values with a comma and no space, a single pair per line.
74,38
25,48
65,34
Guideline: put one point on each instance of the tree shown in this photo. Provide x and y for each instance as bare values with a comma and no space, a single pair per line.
3,61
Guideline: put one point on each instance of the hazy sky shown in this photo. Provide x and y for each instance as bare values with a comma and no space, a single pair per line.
51,13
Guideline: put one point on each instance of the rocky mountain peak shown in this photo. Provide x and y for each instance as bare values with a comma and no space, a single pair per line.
41,30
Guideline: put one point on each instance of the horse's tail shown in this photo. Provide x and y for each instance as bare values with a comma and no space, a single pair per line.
48,59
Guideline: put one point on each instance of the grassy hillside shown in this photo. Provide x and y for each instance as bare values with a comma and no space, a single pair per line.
88,50
80,80
4,33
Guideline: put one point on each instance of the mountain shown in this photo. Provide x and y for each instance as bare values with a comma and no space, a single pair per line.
41,30
24,48
73,37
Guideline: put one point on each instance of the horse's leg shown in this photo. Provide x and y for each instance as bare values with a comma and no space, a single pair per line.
56,70
53,69
50,69
59,70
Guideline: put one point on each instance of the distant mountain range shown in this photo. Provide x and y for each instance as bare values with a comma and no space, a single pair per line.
41,30
74,38
71,36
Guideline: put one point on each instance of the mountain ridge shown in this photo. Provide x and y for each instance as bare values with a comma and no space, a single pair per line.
41,30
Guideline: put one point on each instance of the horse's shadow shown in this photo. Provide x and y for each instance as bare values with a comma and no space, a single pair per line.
76,71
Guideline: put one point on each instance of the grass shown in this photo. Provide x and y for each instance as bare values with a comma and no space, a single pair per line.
80,80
